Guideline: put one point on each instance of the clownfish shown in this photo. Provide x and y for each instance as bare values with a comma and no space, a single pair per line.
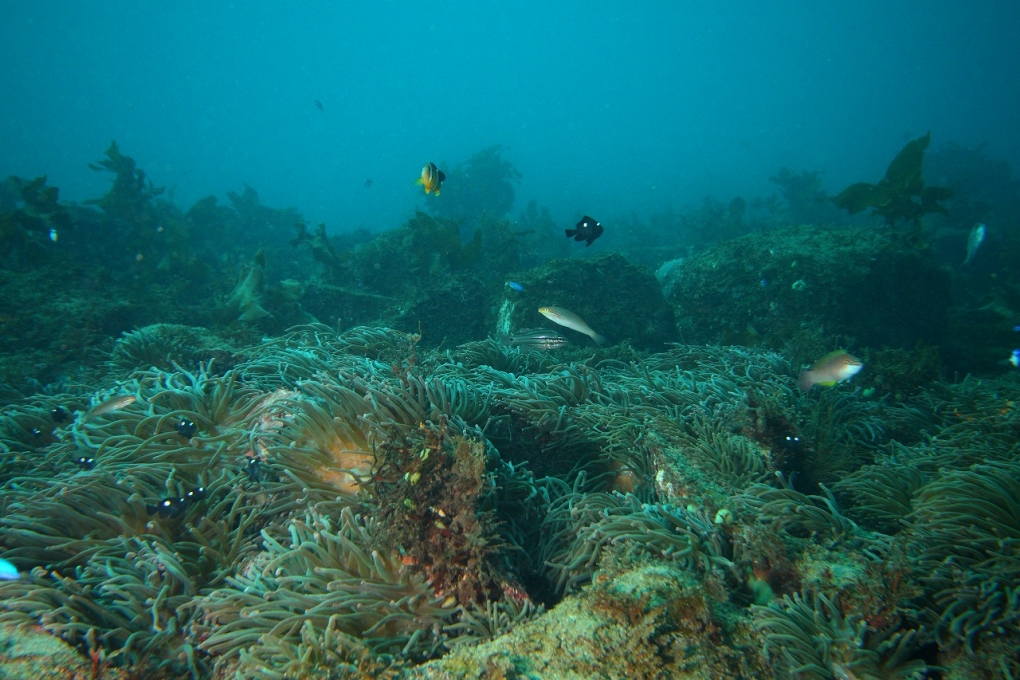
432,178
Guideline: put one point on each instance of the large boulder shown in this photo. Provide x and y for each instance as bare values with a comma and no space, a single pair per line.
618,299
873,287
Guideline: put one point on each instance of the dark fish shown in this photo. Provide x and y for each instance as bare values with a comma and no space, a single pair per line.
254,469
432,178
318,105
186,428
85,462
368,183
535,338
175,506
588,229
168,507
58,414
196,494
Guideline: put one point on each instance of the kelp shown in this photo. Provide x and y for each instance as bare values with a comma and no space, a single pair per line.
901,194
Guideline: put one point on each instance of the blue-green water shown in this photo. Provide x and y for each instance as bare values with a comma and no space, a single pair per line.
271,410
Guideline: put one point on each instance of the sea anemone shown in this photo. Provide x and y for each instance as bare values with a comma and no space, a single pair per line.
811,638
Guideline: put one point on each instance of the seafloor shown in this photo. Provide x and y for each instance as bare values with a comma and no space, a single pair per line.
232,446
366,506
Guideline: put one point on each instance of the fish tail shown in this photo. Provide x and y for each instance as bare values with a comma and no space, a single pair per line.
599,340
571,232
806,380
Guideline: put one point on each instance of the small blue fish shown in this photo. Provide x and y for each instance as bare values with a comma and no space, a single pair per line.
1016,328
513,285
8,572
764,283
1015,358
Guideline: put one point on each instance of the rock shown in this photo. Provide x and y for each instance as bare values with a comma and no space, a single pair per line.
875,287
452,311
618,299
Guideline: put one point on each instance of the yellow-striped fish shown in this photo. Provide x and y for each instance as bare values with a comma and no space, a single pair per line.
568,319
834,367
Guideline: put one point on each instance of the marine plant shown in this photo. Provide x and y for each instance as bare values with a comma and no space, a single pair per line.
901,194
804,196
481,184
130,198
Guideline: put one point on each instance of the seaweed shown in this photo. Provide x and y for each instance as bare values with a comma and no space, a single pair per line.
481,185
130,197
901,194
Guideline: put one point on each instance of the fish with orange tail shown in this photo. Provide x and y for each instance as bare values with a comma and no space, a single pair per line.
432,178
834,367
568,319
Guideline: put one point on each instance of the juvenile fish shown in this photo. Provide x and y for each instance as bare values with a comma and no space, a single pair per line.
568,319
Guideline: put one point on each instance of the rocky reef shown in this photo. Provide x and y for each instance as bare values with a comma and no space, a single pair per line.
802,289
344,505
621,300
281,453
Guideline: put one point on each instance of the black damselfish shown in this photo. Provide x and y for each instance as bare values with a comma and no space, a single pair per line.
186,428
175,506
588,229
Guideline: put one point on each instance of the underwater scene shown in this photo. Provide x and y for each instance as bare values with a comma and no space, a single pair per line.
561,340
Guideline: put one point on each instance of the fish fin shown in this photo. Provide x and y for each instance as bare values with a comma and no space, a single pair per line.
599,340
442,176
436,192
588,242
827,383
570,232
419,181
806,380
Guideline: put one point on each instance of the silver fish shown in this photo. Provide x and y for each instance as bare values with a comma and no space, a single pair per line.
568,319
974,241
535,338
110,405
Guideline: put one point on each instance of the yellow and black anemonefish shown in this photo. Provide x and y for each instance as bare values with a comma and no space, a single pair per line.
432,178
